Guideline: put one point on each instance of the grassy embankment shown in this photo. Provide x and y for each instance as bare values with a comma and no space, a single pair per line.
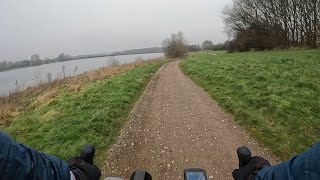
60,118
275,95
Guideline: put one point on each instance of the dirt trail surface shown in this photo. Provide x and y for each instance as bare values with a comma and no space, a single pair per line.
174,126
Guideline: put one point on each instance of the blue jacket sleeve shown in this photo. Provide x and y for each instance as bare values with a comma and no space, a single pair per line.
20,162
303,166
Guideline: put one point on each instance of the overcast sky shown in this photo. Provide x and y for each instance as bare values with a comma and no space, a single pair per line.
50,27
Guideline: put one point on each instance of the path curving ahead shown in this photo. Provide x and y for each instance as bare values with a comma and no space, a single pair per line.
174,126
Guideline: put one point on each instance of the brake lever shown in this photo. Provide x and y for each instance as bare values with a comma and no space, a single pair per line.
87,153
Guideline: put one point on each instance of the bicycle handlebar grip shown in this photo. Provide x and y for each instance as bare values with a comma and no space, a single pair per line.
141,175
244,156
87,153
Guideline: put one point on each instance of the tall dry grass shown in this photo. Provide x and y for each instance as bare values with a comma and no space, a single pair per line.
35,97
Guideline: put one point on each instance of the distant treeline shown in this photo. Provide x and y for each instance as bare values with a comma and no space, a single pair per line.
35,59
269,24
208,45
139,51
119,53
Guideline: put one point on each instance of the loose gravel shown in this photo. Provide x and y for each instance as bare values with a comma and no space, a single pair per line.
174,126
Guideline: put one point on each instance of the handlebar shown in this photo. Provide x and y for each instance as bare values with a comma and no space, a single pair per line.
244,156
87,153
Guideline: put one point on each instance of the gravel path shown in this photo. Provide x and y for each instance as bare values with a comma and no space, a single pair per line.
174,126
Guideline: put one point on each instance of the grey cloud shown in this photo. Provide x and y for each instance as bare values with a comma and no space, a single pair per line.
49,27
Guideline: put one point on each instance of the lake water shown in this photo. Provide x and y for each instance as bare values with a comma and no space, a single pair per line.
19,79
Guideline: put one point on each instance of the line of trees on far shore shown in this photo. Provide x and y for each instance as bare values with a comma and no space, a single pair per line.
35,60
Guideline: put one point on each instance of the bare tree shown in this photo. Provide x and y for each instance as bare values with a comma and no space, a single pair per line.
139,59
176,46
113,62
18,86
75,70
266,24
35,59
63,71
207,45
49,77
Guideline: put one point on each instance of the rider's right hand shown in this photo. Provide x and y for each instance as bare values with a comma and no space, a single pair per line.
250,170
82,166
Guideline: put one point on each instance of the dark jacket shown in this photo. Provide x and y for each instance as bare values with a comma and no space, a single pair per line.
20,162
304,166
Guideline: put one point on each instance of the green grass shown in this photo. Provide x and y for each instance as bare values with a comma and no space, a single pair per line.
275,95
94,115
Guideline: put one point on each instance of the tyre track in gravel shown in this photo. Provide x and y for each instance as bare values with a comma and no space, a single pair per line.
176,125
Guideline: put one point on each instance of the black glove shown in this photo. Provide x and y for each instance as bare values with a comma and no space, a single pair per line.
82,167
141,175
250,171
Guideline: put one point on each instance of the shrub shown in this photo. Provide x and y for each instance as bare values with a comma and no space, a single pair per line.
175,46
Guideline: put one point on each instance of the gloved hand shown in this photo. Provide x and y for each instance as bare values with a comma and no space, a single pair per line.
82,167
250,170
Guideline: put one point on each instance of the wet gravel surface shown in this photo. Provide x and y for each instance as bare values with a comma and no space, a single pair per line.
175,126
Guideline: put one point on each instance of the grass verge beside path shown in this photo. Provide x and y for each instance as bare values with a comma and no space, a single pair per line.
93,115
275,95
